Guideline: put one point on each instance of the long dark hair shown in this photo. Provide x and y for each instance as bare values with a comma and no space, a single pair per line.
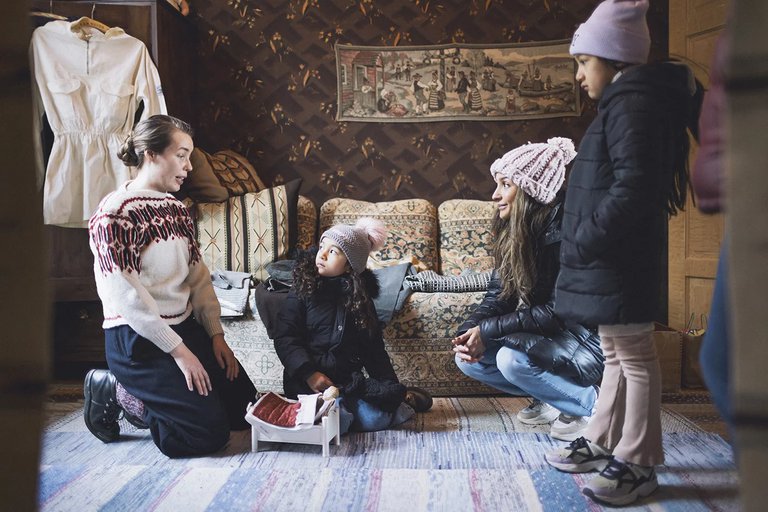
357,300
154,134
679,147
516,249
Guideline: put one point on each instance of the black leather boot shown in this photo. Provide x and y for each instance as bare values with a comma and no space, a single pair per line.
101,411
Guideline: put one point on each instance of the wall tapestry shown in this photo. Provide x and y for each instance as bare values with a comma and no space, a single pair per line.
459,82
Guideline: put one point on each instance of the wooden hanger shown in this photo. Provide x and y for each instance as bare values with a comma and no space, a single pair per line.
49,14
85,21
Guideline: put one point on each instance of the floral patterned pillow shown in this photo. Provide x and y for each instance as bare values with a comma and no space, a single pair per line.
412,226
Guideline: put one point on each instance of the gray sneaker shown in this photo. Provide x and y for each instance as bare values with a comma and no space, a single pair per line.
568,428
622,483
537,413
581,456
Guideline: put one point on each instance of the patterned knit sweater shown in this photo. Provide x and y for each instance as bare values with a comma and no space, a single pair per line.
147,264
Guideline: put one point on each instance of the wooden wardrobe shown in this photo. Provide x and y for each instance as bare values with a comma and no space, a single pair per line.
78,339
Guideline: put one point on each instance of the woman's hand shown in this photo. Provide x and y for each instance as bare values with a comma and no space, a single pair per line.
225,357
469,346
194,372
319,382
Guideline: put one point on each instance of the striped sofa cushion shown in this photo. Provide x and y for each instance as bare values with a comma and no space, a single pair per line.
247,232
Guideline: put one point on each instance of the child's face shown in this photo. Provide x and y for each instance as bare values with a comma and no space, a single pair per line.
593,75
330,261
504,195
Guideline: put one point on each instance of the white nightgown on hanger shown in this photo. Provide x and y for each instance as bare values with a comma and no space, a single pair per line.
90,85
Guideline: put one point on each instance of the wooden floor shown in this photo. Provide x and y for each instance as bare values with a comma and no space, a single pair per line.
694,404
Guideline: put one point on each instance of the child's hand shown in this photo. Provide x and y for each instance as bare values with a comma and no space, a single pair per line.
319,382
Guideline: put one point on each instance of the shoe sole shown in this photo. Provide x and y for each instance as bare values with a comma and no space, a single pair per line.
539,420
566,437
87,409
585,467
136,422
644,490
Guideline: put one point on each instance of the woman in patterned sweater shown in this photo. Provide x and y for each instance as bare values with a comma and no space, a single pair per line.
170,368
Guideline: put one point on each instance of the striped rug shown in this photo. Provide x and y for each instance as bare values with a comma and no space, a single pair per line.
466,454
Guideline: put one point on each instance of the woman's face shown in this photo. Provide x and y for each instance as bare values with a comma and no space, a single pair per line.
330,260
504,194
593,74
169,169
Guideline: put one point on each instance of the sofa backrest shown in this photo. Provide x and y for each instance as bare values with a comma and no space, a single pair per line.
412,226
307,220
465,235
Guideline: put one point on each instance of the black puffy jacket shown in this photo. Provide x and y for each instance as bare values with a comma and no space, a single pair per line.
615,207
571,351
315,334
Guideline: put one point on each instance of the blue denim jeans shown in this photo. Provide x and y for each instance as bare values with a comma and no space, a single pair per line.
362,416
513,372
715,349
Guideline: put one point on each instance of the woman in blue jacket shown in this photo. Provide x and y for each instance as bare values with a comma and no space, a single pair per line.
514,341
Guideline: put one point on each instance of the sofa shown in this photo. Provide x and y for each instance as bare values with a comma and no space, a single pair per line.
247,232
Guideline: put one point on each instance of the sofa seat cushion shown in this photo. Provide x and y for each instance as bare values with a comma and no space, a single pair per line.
466,235
412,226
418,340
248,338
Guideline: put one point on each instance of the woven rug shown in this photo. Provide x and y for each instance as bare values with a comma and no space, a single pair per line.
465,454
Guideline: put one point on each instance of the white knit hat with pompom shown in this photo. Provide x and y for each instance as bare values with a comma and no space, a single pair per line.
358,241
537,168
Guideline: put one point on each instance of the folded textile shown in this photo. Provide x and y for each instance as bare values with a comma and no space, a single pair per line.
231,288
431,281
279,411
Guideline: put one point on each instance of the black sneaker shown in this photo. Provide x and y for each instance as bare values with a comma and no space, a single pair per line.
419,399
621,483
581,456
101,411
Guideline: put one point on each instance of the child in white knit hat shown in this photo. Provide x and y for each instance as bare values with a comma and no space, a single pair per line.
630,175
513,341
329,332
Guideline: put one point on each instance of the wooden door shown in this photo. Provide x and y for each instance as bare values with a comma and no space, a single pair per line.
694,238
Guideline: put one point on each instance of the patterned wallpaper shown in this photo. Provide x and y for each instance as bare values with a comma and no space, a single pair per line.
267,89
